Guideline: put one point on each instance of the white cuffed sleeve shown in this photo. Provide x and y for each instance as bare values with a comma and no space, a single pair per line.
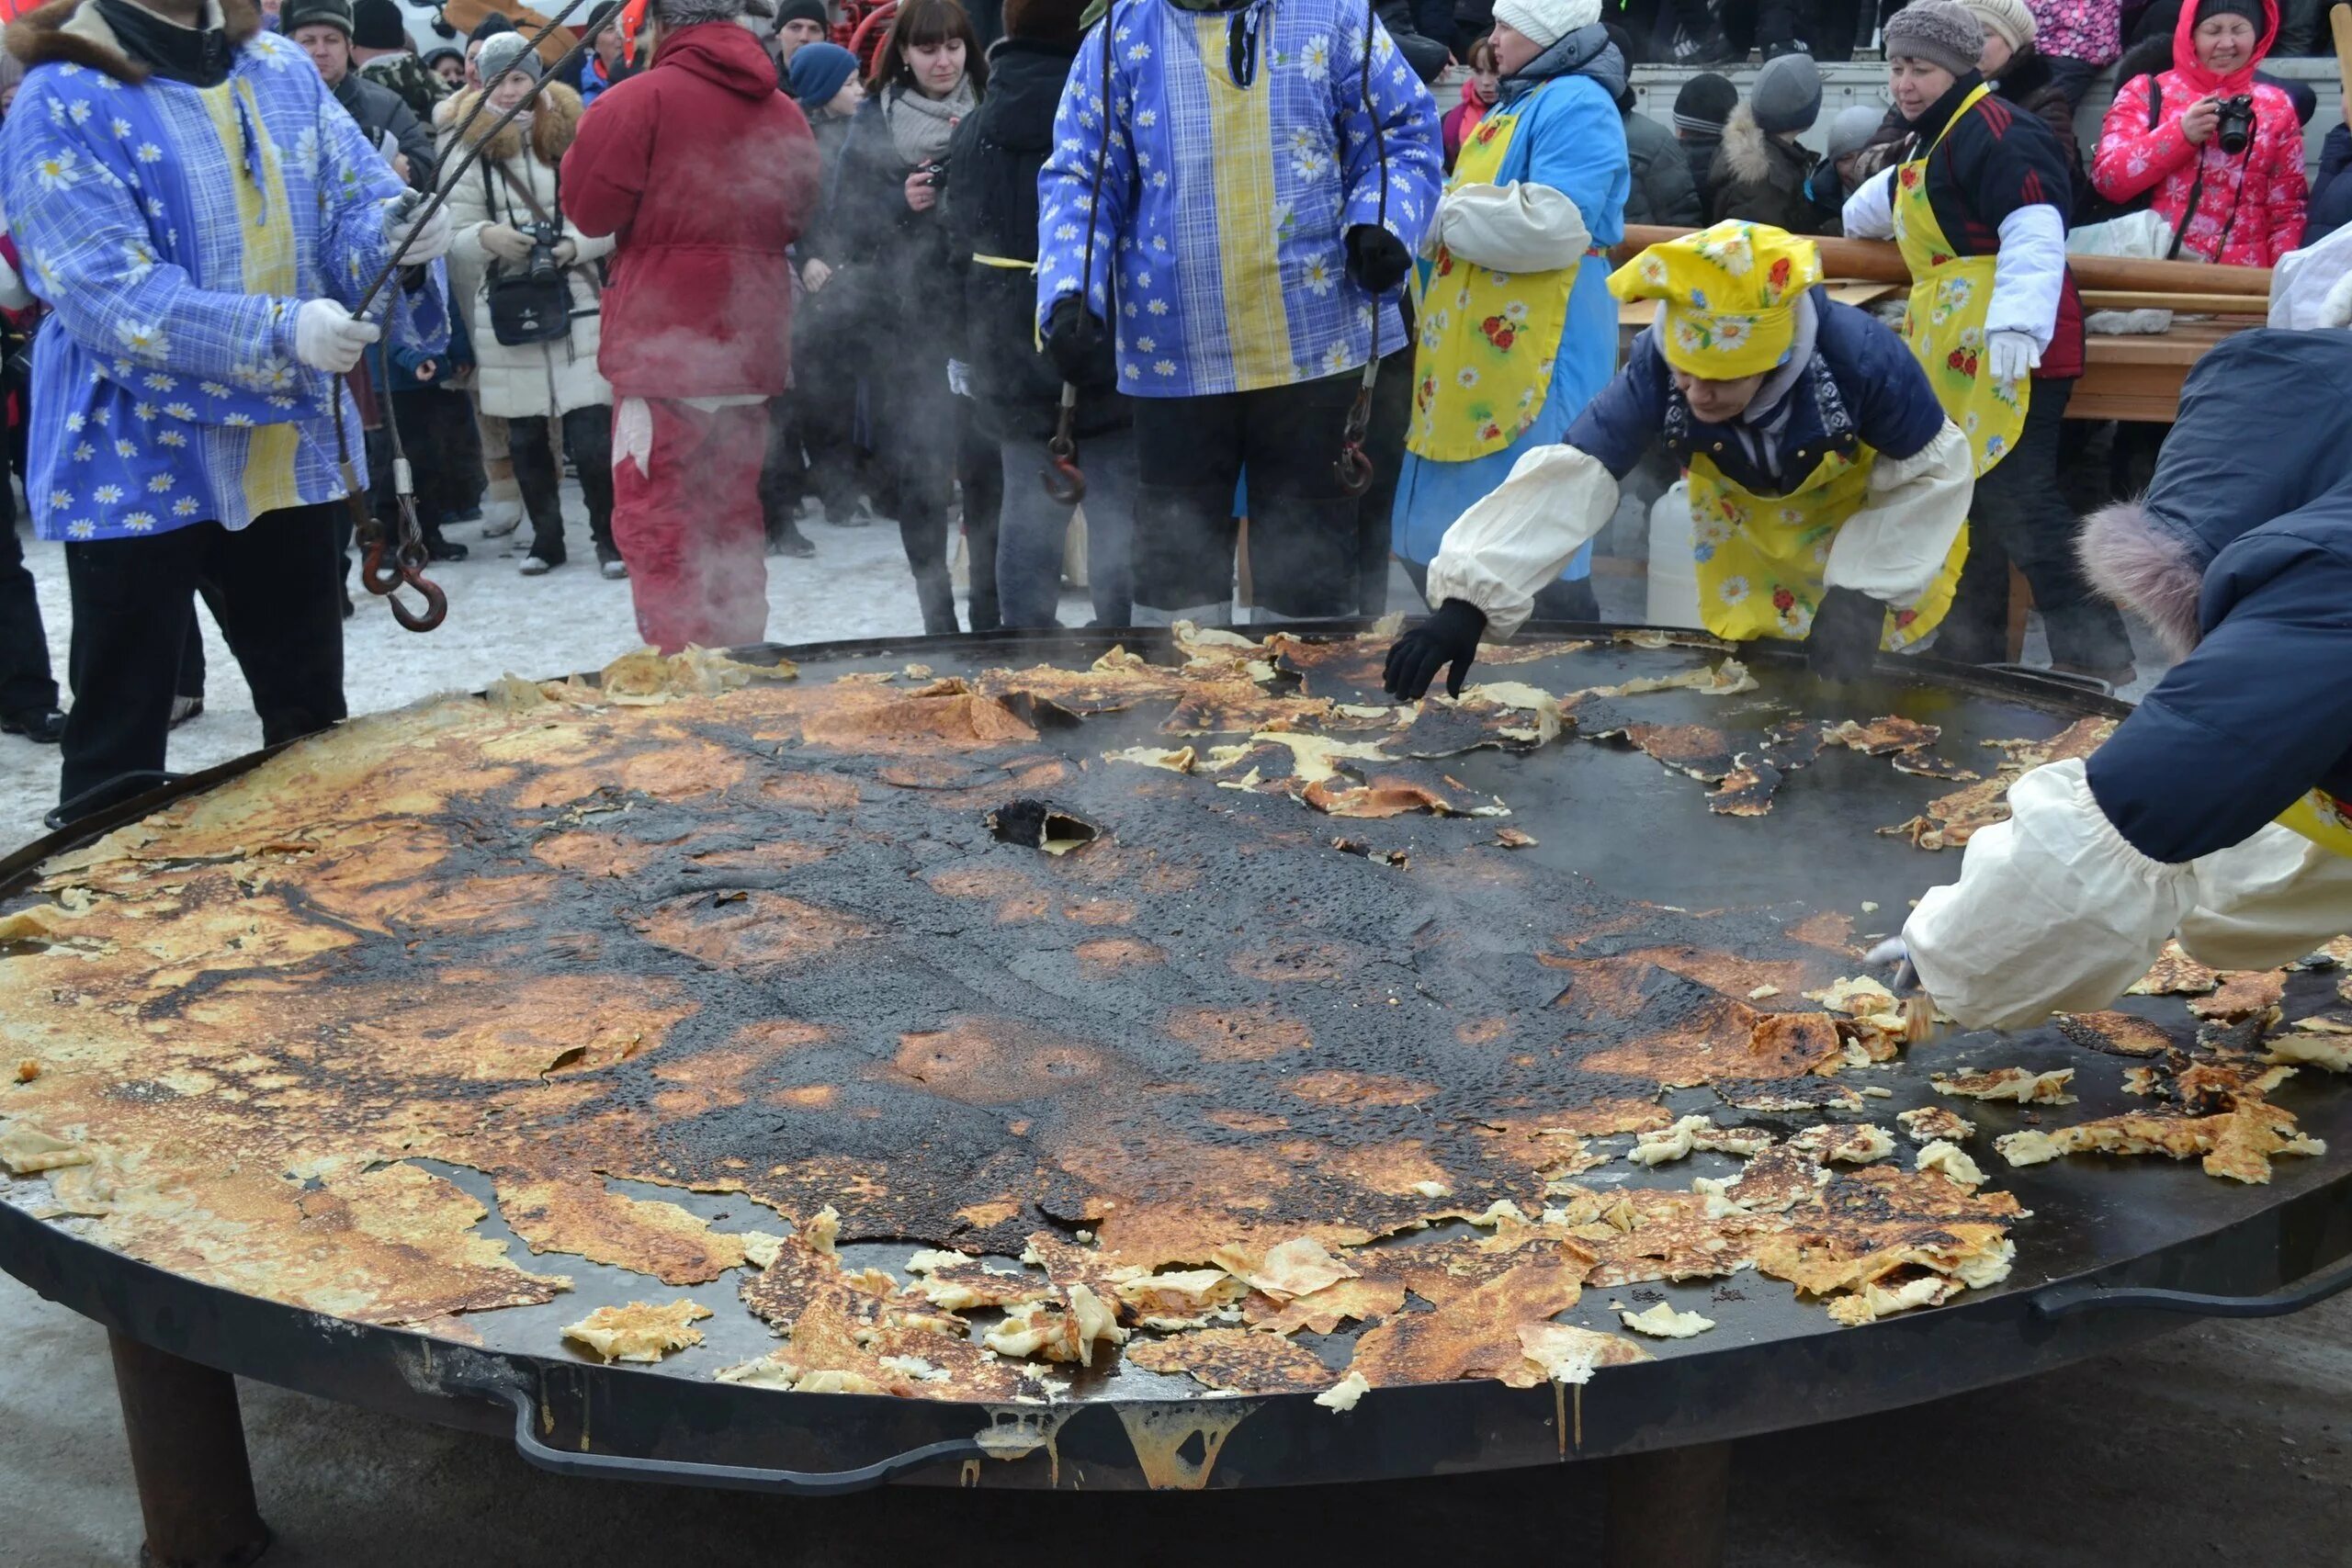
1500,553
1892,548
2267,901
1515,227
2029,275
1870,212
2053,911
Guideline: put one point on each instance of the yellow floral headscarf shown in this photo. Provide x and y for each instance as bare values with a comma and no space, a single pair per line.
1728,296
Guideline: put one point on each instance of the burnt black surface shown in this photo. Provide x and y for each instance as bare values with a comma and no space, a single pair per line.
1256,912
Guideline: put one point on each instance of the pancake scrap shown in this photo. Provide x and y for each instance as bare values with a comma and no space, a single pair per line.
2252,994
1692,750
2020,1084
2238,1144
1950,821
1662,1322
1322,1312
1857,1145
1189,1298
1882,737
955,1283
1951,1161
2329,1049
1887,1228
2116,1033
1236,1360
1935,1124
1564,1353
2175,973
1696,1132
1296,1268
1748,789
639,1332
1473,1335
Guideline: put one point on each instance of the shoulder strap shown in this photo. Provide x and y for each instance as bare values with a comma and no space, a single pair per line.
538,213
2155,100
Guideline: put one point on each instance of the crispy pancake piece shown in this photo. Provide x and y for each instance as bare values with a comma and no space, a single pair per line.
639,1332
1662,1322
2117,1033
1696,1132
2253,994
1935,1124
1564,1353
1692,750
1236,1360
2238,1144
1949,1160
1882,737
955,1283
1859,1145
1748,789
1185,1299
2020,1084
1948,821
1322,1312
2175,973
1473,1335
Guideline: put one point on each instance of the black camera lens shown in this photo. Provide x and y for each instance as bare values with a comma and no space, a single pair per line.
2233,124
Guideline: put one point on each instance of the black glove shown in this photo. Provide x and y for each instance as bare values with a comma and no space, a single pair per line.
1074,341
1449,637
1377,260
1843,644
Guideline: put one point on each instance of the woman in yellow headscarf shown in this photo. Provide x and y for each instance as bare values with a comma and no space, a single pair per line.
1829,491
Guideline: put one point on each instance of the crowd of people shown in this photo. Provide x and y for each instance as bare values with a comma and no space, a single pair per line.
1225,267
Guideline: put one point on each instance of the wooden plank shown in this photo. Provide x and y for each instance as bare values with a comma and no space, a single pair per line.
2184,304
1880,262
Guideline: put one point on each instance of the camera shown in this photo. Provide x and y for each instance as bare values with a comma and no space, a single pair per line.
2233,123
934,174
541,266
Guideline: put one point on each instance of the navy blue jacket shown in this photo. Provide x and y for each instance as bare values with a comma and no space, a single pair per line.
2256,483
2331,203
1864,387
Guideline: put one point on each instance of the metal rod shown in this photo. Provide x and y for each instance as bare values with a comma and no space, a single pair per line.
188,1453
1666,1509
2064,1301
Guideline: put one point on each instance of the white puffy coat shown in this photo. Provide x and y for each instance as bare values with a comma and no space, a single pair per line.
534,379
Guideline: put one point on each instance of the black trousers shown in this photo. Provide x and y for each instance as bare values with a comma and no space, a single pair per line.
273,587
1304,544
2019,515
1384,442
588,437
26,683
979,476
444,446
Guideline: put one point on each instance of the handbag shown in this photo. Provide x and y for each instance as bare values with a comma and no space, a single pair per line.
526,309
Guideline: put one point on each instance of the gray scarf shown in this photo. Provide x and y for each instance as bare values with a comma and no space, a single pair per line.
1762,425
920,128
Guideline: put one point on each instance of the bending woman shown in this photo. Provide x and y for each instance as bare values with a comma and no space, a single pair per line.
1829,491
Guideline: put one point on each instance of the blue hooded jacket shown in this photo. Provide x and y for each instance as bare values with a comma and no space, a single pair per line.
2241,554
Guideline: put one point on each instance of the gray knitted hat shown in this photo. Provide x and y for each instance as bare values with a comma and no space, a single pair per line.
504,52
1937,31
1787,95
677,14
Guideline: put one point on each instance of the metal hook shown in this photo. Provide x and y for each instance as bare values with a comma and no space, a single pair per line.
1065,482
1353,469
436,602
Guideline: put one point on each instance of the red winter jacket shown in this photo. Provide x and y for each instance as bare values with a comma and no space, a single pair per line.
704,173
2250,209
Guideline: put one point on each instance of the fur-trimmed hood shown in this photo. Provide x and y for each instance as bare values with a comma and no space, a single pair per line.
73,32
2229,488
1753,157
555,120
2151,569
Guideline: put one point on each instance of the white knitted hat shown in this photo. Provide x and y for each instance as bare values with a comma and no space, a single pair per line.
2010,19
1545,22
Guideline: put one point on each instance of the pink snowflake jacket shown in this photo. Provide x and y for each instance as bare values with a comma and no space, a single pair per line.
2250,209
2089,30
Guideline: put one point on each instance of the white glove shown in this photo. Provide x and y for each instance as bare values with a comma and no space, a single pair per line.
2011,358
13,295
329,337
2053,911
505,242
432,240
2335,311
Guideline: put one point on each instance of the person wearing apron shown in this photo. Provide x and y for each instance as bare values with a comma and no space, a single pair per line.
1979,211
2221,810
1828,490
1517,330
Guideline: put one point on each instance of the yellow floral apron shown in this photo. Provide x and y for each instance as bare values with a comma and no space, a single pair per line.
2324,819
1760,559
1489,339
1952,296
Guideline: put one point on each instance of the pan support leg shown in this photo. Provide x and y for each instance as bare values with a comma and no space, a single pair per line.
187,1455
1666,1509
